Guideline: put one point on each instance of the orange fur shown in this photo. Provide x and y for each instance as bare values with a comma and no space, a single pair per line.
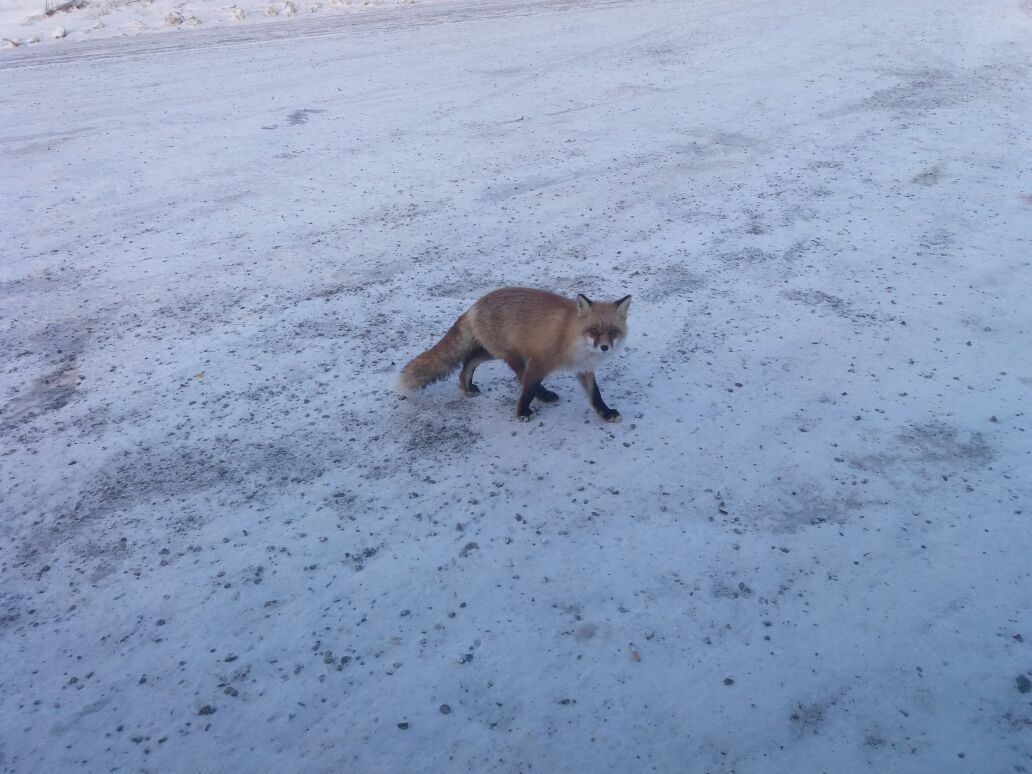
536,333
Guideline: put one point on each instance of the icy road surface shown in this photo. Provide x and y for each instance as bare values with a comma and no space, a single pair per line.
228,546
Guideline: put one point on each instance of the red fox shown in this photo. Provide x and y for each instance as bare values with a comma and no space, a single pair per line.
535,333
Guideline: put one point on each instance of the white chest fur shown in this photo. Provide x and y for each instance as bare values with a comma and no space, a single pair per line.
587,358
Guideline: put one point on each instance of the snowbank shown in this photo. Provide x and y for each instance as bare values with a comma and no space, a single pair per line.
27,22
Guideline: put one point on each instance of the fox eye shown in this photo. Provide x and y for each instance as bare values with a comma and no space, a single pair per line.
593,332
613,333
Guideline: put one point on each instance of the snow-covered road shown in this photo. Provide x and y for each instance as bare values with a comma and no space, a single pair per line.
227,545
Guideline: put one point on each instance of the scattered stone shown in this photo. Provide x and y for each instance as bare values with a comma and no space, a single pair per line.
445,709
1024,684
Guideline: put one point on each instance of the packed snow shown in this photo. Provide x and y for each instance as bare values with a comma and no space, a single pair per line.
229,545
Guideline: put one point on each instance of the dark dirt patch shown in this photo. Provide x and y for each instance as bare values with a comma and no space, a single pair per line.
670,282
919,91
929,177
808,718
169,482
50,392
818,299
940,442
811,509
428,435
299,117
56,351
746,256
10,609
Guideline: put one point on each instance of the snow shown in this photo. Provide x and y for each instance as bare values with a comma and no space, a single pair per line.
27,22
228,545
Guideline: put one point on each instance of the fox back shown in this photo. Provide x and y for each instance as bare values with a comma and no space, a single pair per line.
554,331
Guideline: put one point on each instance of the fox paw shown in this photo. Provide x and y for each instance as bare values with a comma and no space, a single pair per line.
472,391
525,417
547,396
610,416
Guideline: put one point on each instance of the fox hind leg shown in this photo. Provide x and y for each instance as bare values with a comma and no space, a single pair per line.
545,395
516,363
539,391
530,379
542,393
473,359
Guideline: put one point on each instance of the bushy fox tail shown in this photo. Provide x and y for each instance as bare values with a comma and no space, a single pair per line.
441,359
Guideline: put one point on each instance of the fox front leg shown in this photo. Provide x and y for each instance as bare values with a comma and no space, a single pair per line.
591,388
530,381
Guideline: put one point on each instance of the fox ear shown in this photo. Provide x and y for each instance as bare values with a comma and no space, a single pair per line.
623,305
583,303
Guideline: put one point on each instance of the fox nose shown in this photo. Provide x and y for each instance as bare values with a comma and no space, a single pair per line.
605,347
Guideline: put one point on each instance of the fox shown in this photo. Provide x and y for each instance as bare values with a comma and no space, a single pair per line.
536,333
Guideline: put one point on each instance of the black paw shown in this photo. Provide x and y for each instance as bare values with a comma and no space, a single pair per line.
610,415
472,391
524,417
547,396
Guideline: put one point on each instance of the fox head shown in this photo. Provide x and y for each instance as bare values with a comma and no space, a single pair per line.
603,325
